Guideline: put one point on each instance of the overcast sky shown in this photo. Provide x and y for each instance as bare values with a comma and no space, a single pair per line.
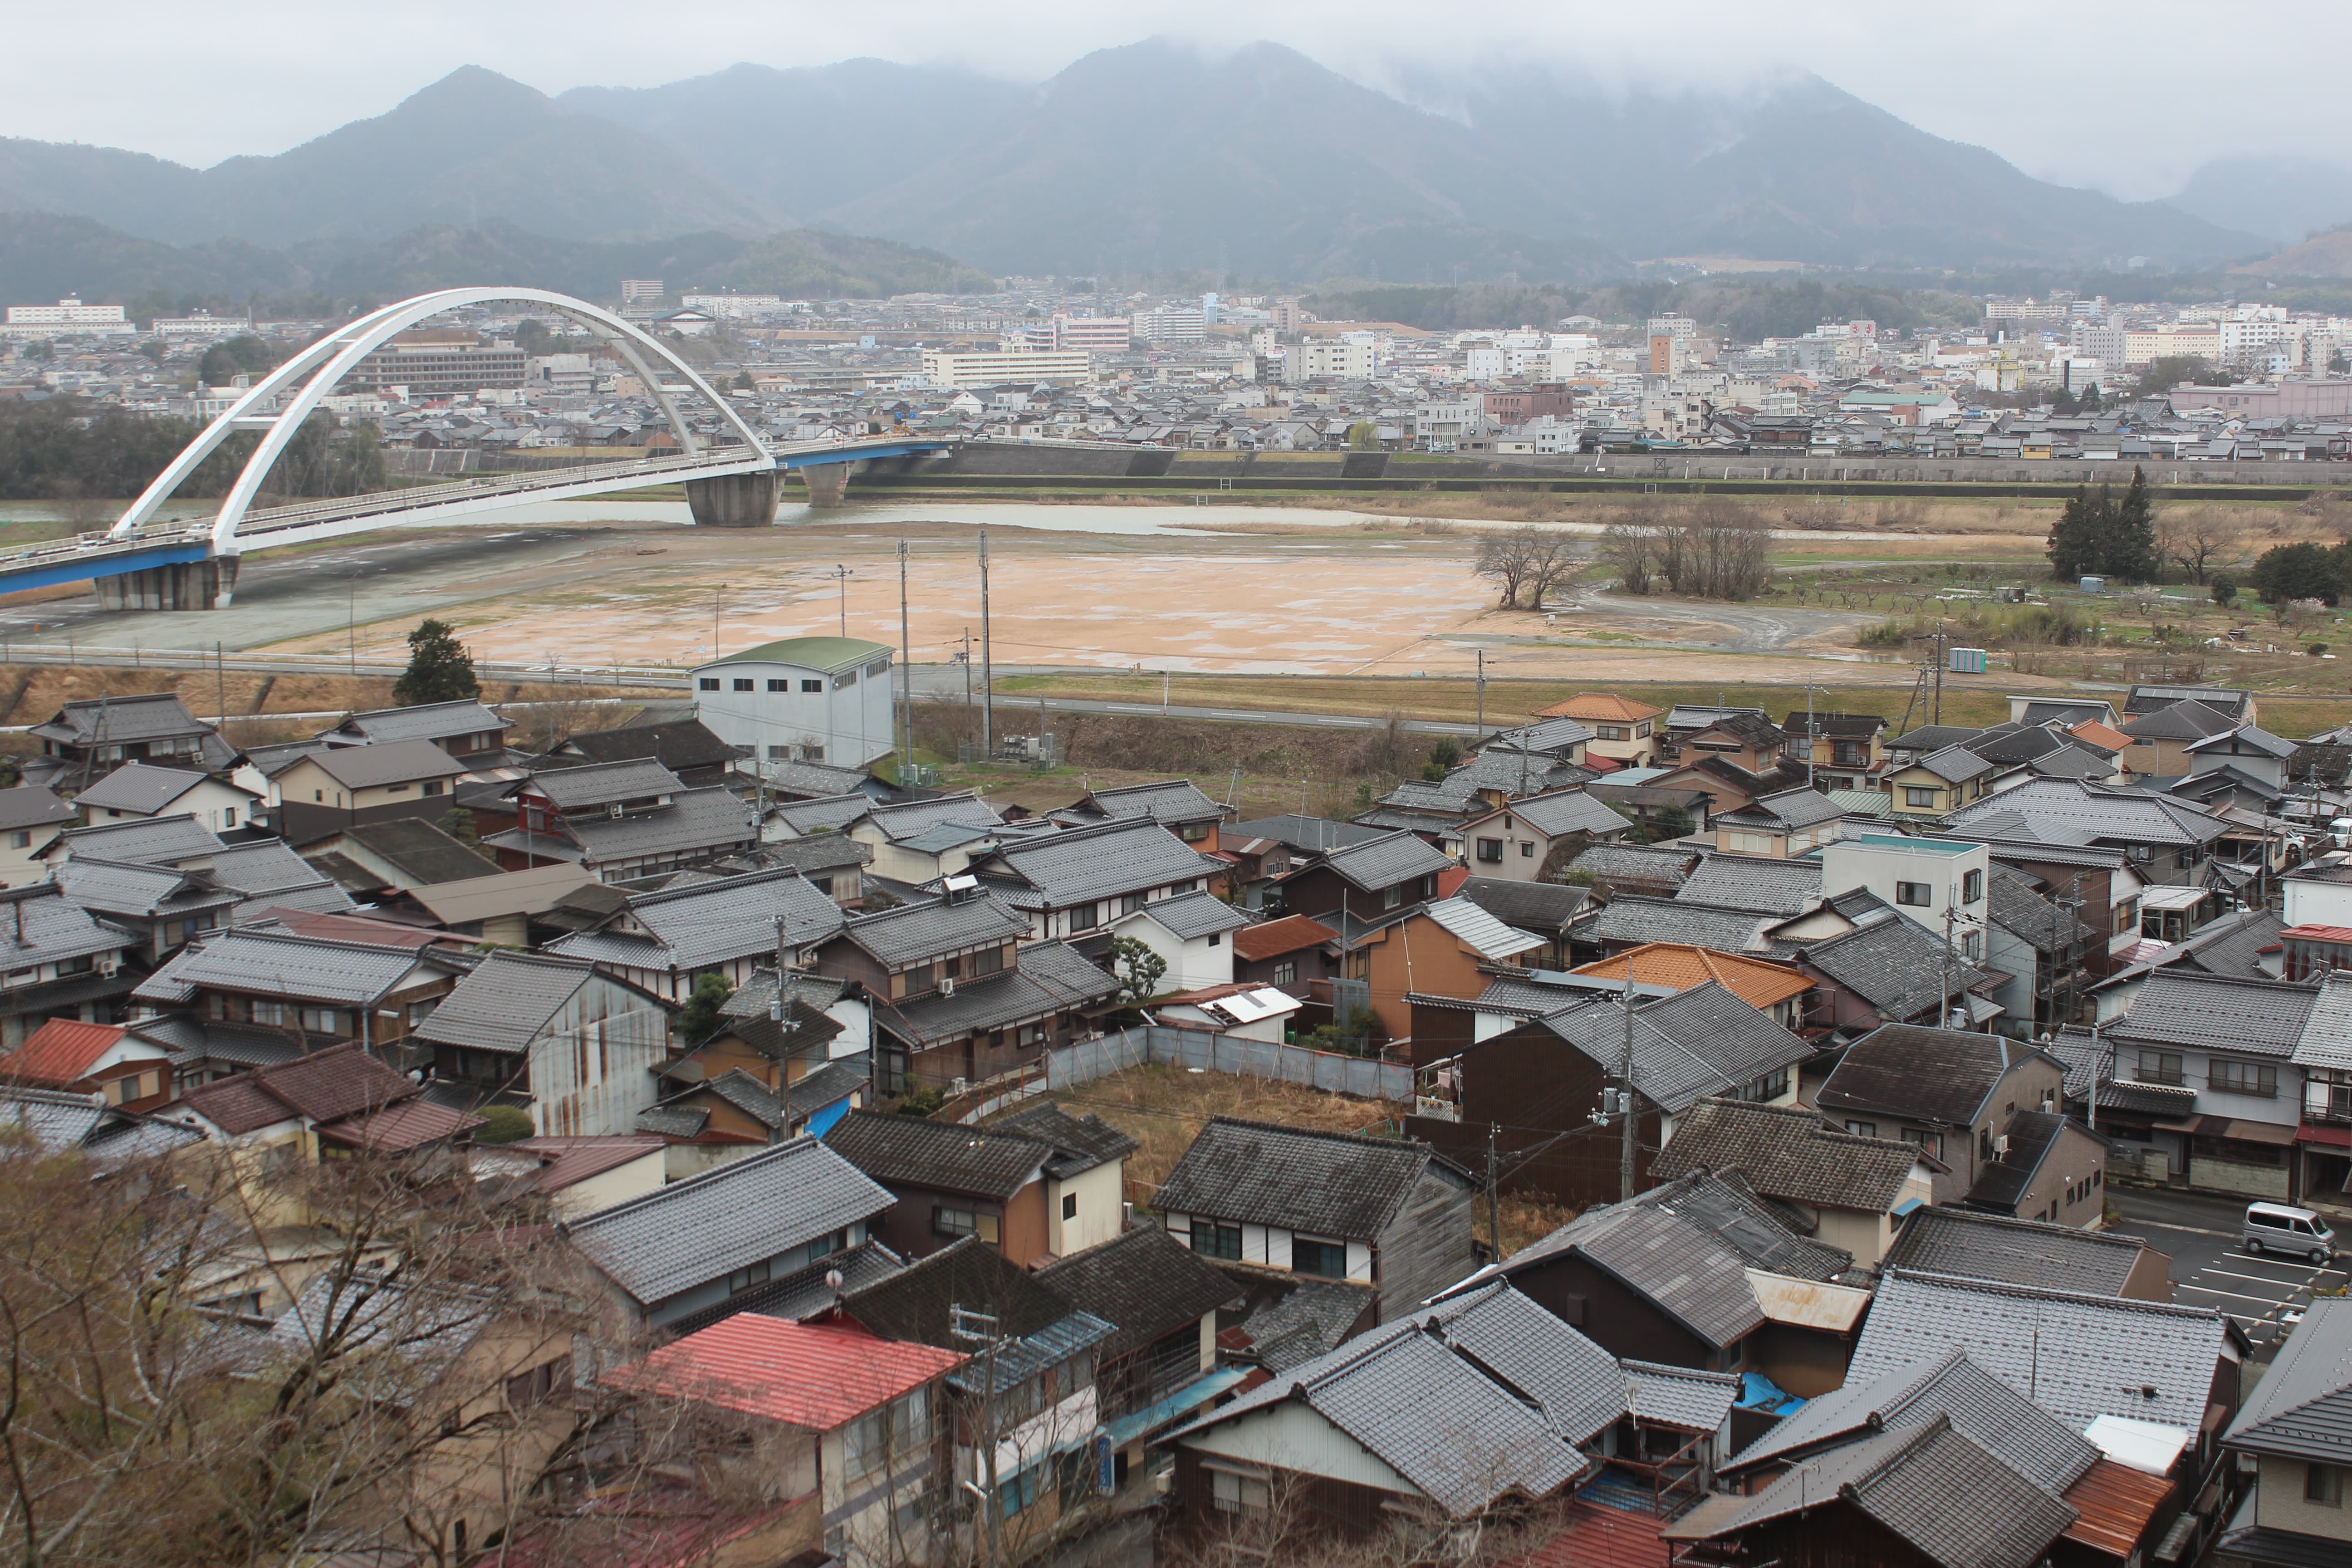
2128,98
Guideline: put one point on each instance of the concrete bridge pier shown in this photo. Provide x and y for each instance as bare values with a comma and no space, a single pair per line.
828,483
734,500
208,584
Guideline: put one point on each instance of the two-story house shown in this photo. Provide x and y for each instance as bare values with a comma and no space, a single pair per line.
1842,1189
1375,1211
1368,880
621,820
59,960
2293,1429
1623,730
580,1044
914,840
1177,804
312,991
2204,1068
84,741
1792,822
955,994
1939,782
465,730
664,942
1079,879
1192,933
137,790
1516,840
30,820
342,786
1846,751
1037,1186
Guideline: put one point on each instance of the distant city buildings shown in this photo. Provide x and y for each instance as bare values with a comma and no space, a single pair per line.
67,317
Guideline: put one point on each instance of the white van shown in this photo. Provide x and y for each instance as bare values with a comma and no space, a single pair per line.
2275,1227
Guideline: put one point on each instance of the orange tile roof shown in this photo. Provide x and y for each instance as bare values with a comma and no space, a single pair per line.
816,1377
61,1051
2115,1503
1600,705
1594,1535
1685,967
2100,735
1276,938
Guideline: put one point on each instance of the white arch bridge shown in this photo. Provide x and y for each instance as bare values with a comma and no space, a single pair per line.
144,563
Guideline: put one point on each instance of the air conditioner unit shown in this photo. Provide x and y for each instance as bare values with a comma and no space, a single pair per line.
958,1085
2001,1147
947,987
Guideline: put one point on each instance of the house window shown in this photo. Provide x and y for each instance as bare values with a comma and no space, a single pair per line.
1069,1205
2324,1484
965,1222
1931,1143
780,686
1211,1239
433,786
708,683
1971,887
1863,1129
1768,1087
1390,898
742,684
1324,1259
1489,850
20,839
1085,917
1286,973
2257,1078
1915,796
811,686
2160,1067
1216,939
1916,894
228,816
1527,847
743,1280
1233,1493
1611,733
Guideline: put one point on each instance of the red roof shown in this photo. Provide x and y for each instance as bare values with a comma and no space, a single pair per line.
359,929
574,1160
818,1376
61,1051
411,1124
1594,1536
1450,880
2302,933
1276,938
2115,1504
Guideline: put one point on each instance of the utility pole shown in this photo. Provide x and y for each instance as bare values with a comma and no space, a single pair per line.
1482,693
220,682
967,674
905,676
1942,639
780,1013
987,683
841,575
716,594
1812,734
1494,1199
980,1329
1625,1146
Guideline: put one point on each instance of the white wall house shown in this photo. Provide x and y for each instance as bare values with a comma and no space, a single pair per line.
818,700
1193,934
1924,878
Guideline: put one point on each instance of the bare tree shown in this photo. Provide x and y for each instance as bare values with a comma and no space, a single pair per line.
2195,538
1552,560
1507,557
1714,549
1632,549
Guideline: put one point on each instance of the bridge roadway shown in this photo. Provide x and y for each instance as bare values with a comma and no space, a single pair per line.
85,556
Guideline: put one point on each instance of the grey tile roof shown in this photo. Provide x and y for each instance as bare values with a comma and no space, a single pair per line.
2302,1408
428,720
2185,1007
695,820
1670,1261
802,1294
40,925
52,1119
1930,1075
828,813
2074,812
2077,1356
2233,944
1384,862
1311,1320
1756,883
913,1152
1196,914
1954,764
1464,1440
1080,1143
127,888
917,933
158,841
704,1228
1576,1384
1635,918
279,963
1894,966
733,917
1790,810
2014,1251
387,762
1948,1499
673,1121
1051,978
2018,908
1568,811
1311,835
1543,907
30,805
1544,735
1124,855
1472,926
1699,1042
689,744
267,870
907,820
1637,866
1982,1408
118,720
1679,1396
1724,1206
815,852
1147,1282
592,784
1330,1185
142,787
1788,1153
1169,800
506,1003
2327,1038
2034,1136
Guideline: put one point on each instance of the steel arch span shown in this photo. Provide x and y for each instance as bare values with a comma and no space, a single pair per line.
335,355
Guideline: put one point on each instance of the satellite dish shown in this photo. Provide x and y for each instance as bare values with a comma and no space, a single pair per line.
833,1280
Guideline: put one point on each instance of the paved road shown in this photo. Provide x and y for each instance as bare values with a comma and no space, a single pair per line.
1754,628
2210,1268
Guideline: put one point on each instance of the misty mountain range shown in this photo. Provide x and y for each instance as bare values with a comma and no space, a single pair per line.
1144,159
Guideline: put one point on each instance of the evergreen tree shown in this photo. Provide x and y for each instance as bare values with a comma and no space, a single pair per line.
2077,539
439,668
2130,546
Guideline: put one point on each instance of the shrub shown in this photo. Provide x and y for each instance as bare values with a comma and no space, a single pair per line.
921,1102
503,1124
1884,634
2224,589
2316,650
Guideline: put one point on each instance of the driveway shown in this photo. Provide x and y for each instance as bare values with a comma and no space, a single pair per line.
2210,1268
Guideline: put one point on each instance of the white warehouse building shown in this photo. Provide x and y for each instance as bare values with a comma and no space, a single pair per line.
818,700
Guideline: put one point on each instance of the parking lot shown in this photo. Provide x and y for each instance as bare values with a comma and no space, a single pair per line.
2210,1269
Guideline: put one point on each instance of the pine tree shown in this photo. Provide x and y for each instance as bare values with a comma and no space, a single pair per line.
2077,540
2130,545
439,668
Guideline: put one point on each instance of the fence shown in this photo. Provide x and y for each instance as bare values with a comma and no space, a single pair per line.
1195,1050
